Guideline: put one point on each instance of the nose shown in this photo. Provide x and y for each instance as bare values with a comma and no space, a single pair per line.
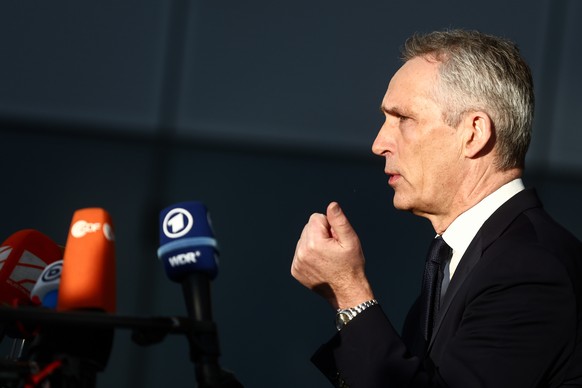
381,144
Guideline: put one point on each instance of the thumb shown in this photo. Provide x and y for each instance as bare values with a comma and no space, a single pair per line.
341,228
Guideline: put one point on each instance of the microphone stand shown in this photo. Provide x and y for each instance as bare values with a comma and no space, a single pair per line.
54,327
204,347
79,353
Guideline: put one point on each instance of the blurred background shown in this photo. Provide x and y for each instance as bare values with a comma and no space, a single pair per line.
266,112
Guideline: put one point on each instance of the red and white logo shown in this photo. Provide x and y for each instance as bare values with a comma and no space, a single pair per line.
26,271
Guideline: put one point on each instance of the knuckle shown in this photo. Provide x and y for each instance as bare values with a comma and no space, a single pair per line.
311,246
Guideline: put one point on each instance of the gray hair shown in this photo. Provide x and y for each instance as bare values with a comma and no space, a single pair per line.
480,72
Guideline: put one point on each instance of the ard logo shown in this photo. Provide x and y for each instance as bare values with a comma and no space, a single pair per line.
177,223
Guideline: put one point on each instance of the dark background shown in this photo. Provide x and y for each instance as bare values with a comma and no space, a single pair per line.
265,111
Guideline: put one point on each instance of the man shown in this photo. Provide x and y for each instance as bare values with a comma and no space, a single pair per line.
509,311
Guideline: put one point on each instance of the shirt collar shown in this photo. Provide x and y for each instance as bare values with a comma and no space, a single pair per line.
464,228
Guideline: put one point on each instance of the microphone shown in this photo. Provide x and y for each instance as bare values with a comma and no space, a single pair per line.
187,243
87,283
46,290
189,253
23,257
88,279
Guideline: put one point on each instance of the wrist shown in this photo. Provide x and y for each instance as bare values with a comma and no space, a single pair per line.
345,315
352,294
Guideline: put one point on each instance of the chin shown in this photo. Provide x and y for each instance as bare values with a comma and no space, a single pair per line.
401,203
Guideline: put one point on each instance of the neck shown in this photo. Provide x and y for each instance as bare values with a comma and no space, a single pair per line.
470,193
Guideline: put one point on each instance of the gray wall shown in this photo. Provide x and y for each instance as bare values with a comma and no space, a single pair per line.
265,111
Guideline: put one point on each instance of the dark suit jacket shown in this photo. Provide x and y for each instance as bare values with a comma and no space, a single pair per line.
511,317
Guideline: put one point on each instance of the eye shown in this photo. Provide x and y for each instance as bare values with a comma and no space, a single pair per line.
402,118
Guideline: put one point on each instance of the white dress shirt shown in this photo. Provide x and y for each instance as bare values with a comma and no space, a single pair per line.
464,228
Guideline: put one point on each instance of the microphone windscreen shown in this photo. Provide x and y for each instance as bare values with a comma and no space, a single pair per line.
46,290
88,280
187,243
23,257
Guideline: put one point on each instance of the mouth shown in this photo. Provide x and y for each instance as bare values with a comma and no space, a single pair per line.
393,178
393,175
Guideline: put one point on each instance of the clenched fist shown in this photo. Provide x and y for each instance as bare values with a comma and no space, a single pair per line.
329,259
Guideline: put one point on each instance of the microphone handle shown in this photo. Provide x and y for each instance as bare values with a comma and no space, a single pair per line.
196,289
204,347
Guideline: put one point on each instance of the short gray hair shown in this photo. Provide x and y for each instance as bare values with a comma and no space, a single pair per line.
486,73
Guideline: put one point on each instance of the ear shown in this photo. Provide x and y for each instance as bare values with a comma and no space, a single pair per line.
479,134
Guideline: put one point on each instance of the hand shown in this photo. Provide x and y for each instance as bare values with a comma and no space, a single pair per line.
329,259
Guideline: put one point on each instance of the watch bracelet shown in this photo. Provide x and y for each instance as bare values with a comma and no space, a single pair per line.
361,307
352,312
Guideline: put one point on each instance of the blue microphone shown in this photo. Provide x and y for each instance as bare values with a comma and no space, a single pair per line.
189,253
187,243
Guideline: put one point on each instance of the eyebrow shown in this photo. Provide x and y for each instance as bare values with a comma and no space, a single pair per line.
395,111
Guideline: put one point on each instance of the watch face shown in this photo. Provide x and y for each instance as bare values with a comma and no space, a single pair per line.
342,318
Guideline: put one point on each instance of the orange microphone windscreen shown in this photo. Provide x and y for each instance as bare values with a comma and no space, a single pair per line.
88,280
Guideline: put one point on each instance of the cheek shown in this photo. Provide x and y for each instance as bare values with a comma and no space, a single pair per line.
443,173
434,168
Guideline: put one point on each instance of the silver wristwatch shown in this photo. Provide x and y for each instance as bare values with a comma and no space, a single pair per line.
344,316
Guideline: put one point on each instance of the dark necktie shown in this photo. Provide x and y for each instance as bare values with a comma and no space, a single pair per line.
438,255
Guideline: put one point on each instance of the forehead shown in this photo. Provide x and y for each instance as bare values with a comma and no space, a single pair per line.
417,78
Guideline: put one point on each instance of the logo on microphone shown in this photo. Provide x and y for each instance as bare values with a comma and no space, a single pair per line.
27,271
184,258
53,271
4,253
177,223
82,227
108,232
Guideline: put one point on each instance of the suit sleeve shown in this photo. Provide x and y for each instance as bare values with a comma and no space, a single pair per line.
516,328
367,353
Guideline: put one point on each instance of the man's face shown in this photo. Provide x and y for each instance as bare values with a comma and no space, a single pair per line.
423,154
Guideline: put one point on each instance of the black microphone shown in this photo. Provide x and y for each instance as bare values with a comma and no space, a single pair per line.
189,253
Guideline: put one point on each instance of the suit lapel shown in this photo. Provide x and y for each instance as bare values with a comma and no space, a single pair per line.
489,232
468,262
